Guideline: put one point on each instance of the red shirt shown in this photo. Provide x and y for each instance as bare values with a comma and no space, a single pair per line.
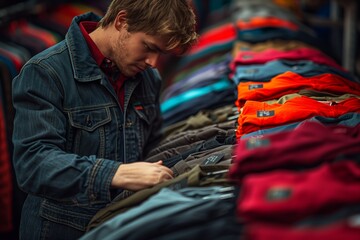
301,53
106,65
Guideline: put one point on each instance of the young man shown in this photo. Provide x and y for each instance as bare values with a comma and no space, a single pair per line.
87,111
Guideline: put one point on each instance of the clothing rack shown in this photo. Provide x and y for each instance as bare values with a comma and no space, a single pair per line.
343,23
19,10
350,24
24,11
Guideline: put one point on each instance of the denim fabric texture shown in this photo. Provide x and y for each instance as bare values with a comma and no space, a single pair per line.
71,134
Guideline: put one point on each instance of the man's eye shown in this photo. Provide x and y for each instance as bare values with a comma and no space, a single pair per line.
148,48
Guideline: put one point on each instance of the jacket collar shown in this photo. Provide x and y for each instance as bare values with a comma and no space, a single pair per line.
84,66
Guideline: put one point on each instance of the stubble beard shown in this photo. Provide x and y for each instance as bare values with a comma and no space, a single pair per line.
122,54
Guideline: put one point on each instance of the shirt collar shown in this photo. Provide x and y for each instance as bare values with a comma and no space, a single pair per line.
106,64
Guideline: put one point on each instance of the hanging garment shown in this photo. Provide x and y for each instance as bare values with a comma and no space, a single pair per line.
6,182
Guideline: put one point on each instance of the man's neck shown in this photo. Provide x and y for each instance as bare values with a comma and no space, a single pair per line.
100,38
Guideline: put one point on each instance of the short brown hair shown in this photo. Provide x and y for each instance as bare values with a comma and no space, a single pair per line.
173,19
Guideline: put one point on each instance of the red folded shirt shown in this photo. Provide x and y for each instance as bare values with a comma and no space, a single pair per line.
303,53
310,144
340,230
287,196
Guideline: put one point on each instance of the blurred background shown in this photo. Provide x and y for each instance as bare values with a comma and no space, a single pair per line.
28,27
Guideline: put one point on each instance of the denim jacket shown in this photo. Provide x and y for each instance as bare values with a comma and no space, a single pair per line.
70,133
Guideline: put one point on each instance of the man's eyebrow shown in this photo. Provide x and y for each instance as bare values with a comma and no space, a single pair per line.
157,48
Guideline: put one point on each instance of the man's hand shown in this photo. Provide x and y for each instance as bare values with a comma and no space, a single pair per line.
140,175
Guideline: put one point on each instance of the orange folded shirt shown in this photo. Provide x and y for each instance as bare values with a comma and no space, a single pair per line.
290,82
259,115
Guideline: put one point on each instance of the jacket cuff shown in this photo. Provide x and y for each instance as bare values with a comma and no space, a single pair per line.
100,180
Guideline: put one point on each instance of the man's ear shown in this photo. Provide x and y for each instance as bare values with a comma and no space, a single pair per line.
120,20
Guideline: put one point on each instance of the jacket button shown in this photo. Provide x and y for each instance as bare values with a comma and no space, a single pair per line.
88,121
92,197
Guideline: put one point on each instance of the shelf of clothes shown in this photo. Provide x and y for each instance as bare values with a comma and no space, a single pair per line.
262,132
27,27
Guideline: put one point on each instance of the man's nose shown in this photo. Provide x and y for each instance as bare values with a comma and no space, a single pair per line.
151,59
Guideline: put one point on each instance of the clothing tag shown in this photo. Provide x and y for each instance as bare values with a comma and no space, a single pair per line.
247,57
354,221
278,193
330,103
213,159
340,130
255,86
257,142
252,70
264,113
138,106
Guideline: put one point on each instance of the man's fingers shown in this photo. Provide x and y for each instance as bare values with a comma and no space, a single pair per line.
159,162
167,170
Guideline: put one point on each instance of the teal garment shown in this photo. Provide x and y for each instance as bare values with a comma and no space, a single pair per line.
189,95
265,72
159,214
350,119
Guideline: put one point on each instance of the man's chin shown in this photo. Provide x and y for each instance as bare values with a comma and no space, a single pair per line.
132,71
129,73
132,74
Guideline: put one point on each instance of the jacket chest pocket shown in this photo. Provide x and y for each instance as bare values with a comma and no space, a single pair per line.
89,131
146,113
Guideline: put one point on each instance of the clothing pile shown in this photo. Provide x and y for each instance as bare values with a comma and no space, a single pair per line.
262,131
